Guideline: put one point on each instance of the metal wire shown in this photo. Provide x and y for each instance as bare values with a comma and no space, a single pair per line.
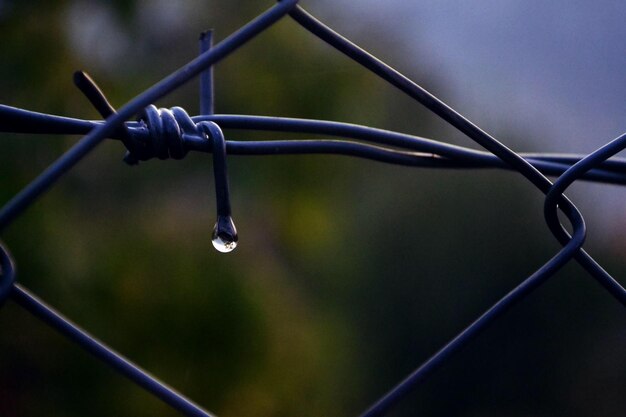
163,133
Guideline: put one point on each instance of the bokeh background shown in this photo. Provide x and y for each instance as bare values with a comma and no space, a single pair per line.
349,273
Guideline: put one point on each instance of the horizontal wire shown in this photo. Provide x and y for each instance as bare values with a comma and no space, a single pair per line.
68,160
570,249
398,148
45,180
422,152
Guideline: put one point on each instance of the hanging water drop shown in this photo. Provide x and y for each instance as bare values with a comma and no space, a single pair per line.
225,234
223,245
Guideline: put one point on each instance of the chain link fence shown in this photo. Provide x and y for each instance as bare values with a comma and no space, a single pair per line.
172,133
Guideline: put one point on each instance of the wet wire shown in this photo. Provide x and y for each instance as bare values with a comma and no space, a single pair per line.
172,133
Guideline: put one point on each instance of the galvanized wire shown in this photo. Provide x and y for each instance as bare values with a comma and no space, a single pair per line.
164,133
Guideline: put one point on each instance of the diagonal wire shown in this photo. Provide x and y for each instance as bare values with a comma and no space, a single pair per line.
461,123
46,179
391,147
572,247
29,194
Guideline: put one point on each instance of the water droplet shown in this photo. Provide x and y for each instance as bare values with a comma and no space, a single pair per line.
225,234
223,245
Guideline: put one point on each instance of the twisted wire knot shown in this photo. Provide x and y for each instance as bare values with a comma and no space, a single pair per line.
161,135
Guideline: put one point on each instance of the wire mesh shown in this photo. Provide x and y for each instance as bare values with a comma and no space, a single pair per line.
172,133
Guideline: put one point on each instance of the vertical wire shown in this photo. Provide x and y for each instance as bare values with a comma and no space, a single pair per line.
27,196
207,88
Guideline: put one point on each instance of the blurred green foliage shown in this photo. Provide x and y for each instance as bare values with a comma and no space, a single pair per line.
349,273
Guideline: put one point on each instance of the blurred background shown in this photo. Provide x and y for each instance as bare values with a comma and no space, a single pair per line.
349,273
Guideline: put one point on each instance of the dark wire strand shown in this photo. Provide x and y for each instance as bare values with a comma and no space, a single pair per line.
461,123
36,188
64,326
409,150
398,148
45,180
571,248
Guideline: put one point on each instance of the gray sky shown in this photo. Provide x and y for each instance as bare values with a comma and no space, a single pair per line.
553,71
